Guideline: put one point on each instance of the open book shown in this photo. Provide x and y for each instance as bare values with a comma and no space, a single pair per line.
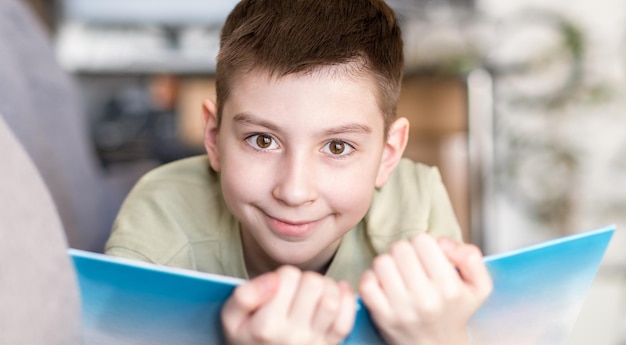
538,293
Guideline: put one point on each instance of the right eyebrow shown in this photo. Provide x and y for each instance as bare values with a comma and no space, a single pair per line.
249,119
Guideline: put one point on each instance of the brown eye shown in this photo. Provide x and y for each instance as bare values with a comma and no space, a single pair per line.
263,141
336,147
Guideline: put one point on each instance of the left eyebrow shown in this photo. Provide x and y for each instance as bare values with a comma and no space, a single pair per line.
356,128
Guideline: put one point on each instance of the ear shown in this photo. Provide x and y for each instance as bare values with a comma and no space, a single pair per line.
211,131
393,150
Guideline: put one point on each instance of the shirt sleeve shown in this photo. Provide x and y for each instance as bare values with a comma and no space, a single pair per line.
147,228
150,225
414,200
442,220
173,216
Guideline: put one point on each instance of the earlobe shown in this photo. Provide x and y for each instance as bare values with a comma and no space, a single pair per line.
393,150
211,131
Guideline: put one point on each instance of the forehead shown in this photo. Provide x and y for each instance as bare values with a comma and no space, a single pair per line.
355,72
333,94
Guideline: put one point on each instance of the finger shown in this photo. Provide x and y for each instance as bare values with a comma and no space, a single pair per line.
409,266
307,297
289,281
270,320
327,307
344,319
469,260
391,280
373,295
436,265
246,299
447,244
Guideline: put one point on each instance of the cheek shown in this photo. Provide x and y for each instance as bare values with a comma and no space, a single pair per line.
352,191
240,182
232,193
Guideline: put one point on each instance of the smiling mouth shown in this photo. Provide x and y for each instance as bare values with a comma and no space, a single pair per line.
294,223
291,228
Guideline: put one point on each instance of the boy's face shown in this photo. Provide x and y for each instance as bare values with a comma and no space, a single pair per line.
299,159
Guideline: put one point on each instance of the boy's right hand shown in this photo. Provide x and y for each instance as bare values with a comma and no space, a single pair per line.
289,307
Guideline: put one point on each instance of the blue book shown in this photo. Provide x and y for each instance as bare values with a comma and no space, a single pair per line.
538,293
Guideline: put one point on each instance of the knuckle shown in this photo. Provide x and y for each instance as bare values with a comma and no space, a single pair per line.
289,270
330,304
289,274
451,292
405,320
263,335
488,288
399,248
331,288
313,280
229,326
420,240
381,262
240,297
472,252
339,330
430,309
422,236
330,299
297,336
414,240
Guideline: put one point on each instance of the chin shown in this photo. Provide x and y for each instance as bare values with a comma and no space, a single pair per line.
293,257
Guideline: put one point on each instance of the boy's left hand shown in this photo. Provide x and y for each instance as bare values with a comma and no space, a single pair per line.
425,291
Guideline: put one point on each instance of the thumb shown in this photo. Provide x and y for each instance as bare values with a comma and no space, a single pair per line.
247,299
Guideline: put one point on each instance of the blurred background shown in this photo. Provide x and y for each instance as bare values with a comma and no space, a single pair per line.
519,103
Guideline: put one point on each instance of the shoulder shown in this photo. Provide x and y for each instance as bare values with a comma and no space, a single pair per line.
407,197
413,200
190,179
409,174
193,170
171,208
177,189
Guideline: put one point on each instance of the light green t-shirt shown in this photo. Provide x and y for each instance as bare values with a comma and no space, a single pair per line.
176,216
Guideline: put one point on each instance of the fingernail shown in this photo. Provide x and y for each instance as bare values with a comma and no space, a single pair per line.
267,282
446,243
345,286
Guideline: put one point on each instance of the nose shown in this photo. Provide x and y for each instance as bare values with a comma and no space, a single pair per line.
294,183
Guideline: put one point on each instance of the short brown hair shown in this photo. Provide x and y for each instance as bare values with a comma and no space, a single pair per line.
304,36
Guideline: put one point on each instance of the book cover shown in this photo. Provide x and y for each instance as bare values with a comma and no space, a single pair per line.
538,293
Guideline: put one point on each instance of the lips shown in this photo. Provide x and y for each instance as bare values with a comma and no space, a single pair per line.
290,228
295,223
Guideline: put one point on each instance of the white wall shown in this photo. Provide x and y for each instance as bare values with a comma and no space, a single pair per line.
592,124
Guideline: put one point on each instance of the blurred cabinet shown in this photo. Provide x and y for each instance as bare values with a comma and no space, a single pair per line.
437,109
132,59
140,36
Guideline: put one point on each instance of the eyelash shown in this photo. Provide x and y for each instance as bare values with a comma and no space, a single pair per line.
249,140
342,155
252,143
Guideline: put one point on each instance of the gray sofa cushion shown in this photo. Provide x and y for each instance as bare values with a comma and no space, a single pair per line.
42,109
39,295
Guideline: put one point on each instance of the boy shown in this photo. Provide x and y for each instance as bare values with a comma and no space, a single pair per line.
303,182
